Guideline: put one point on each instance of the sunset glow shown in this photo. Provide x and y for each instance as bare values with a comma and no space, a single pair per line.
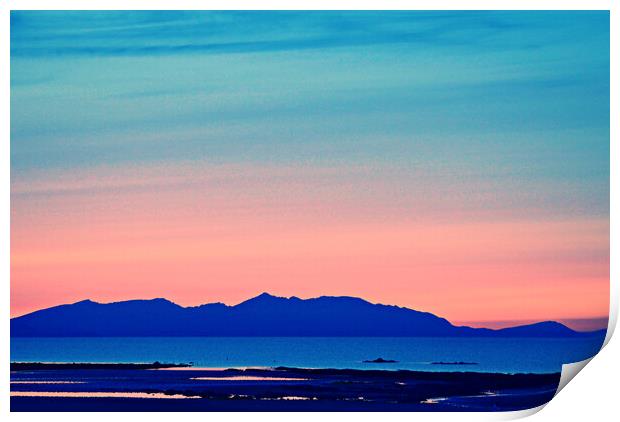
473,184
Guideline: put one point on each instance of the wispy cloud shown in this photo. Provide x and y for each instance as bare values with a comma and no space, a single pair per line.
153,33
207,154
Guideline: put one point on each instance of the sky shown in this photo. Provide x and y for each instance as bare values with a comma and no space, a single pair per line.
450,162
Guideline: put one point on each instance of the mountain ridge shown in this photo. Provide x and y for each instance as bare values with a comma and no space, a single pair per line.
263,315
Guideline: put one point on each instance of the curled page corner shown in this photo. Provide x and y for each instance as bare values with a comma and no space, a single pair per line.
569,371
516,414
613,316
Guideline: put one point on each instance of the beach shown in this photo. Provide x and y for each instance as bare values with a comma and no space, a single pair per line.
178,387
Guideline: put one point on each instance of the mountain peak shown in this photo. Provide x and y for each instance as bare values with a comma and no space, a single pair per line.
161,300
263,315
85,302
263,298
265,295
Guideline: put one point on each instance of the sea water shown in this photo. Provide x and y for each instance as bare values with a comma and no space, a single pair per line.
506,355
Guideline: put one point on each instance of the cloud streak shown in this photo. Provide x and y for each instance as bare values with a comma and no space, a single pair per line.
155,33
426,159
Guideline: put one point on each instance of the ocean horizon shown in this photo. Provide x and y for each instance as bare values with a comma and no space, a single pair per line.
437,354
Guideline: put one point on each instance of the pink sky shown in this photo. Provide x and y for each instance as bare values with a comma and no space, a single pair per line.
224,233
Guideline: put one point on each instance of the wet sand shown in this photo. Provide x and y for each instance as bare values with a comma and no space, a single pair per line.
83,387
34,366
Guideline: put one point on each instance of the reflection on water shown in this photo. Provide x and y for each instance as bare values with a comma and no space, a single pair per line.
130,395
506,355
47,382
247,378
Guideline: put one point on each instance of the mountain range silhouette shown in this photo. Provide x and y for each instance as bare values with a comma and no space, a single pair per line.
263,315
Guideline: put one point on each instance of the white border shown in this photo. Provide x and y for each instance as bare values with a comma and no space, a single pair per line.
569,405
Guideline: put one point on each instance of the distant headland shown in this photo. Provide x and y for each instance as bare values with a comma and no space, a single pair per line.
263,315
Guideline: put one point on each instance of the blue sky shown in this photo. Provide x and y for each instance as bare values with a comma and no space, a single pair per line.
369,117
514,94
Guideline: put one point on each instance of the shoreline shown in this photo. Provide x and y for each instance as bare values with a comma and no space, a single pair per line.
154,366
134,387
34,366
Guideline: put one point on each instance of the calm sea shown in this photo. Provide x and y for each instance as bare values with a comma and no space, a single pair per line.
491,355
